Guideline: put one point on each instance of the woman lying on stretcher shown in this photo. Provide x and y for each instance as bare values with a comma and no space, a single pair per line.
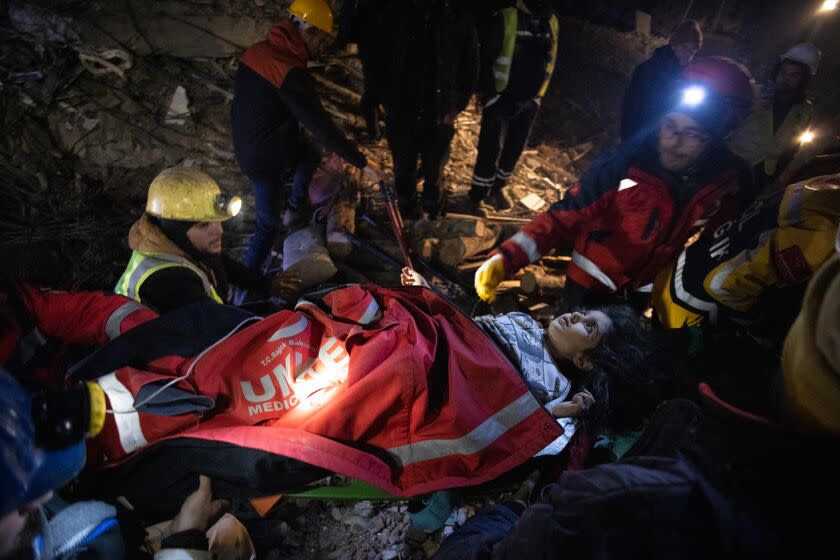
603,350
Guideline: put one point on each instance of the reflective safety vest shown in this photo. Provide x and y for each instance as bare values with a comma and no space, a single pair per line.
780,240
756,142
143,265
504,62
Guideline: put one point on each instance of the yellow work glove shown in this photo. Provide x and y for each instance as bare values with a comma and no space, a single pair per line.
488,276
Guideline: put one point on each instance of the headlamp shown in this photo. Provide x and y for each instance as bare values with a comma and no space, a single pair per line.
692,96
807,136
228,205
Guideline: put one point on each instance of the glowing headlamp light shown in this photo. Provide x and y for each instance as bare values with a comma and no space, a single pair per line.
228,205
807,136
693,96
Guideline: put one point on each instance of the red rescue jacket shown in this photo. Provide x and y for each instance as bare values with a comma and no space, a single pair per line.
395,387
622,220
36,326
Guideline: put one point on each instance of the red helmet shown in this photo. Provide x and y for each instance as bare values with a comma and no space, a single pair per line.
731,89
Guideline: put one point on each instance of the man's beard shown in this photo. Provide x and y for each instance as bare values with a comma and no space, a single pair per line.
23,542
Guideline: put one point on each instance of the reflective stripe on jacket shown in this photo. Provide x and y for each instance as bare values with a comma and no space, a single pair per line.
504,61
778,241
143,265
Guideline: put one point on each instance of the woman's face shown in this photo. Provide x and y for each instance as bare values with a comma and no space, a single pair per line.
571,335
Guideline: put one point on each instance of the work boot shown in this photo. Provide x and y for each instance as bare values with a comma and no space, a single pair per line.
500,200
409,209
475,208
432,209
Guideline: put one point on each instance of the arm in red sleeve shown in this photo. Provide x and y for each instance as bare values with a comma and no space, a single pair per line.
82,317
556,227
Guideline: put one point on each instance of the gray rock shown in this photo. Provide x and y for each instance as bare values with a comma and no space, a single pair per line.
356,523
335,513
389,554
365,509
376,524
393,537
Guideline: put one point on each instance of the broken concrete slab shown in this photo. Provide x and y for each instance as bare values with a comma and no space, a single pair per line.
160,28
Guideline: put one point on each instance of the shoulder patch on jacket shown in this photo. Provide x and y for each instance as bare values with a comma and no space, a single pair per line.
792,265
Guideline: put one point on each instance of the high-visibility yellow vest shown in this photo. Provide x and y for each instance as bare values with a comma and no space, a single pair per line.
143,265
504,62
755,142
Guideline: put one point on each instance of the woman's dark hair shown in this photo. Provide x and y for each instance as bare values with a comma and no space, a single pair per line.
623,381
801,92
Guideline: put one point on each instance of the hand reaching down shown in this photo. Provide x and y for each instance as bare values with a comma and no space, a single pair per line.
285,285
411,277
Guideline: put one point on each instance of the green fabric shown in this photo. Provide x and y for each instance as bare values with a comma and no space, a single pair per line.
502,66
549,68
356,490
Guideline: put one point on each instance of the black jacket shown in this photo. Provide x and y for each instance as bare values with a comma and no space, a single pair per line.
177,286
649,93
425,59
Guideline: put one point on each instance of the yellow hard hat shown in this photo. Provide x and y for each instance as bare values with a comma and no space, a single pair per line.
314,12
190,195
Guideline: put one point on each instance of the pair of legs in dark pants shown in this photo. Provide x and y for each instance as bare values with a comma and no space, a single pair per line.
412,137
505,128
269,193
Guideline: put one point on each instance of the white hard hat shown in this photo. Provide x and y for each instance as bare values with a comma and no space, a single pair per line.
804,53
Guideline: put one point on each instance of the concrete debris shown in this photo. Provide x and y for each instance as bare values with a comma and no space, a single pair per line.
110,61
533,202
365,509
179,107
305,255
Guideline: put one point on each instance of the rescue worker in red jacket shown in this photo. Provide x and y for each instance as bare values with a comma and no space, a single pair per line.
273,97
37,325
633,212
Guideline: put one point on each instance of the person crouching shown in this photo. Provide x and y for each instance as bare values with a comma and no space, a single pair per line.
177,254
